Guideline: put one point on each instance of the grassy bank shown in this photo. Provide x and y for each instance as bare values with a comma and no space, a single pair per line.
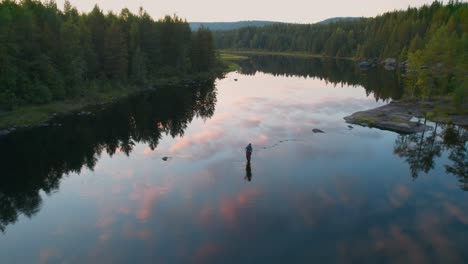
229,60
34,115
233,53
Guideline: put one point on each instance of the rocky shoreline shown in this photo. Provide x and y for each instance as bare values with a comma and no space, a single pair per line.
406,117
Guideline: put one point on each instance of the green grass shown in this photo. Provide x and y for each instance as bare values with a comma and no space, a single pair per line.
98,93
397,120
226,56
366,120
33,115
286,53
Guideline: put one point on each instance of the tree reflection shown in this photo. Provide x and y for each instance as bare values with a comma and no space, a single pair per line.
420,151
456,140
384,85
36,159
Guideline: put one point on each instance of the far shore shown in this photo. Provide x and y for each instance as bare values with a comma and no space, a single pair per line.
277,53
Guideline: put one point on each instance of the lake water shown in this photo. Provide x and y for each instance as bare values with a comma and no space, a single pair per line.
162,177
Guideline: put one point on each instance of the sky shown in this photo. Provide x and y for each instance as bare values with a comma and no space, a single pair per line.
294,11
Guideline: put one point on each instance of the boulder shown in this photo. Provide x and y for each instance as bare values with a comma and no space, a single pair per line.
315,130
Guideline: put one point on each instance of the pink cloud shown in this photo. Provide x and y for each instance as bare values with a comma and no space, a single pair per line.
261,140
397,245
205,252
200,138
147,199
218,118
49,254
147,151
229,208
430,228
456,212
399,196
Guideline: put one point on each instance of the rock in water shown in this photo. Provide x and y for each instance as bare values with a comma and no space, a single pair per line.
165,158
315,130
4,132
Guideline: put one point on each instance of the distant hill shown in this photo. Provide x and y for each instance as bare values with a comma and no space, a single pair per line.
229,25
336,19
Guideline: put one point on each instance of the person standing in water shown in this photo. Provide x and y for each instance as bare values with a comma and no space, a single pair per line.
248,152
248,169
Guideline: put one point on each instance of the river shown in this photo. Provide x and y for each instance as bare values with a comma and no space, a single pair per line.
162,176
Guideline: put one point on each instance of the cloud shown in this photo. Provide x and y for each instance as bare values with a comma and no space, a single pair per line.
399,196
219,118
456,212
206,252
196,139
261,140
49,255
146,198
251,123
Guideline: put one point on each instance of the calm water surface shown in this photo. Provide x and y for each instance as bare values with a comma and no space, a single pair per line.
95,188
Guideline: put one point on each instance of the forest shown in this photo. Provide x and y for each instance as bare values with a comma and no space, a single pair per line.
432,38
49,54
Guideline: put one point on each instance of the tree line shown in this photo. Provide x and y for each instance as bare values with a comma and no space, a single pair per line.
48,54
433,38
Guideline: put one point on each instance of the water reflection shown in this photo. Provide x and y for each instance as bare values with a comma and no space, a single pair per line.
420,151
36,159
248,171
383,84
341,196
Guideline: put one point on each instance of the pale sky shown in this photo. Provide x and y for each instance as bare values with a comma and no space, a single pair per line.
296,11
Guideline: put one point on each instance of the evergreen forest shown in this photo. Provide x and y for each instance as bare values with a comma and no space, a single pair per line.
432,39
50,54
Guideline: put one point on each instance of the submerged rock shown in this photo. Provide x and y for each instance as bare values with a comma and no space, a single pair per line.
4,132
165,158
7,131
315,130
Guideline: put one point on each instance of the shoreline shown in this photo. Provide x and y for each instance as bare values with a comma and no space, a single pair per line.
282,53
37,115
398,116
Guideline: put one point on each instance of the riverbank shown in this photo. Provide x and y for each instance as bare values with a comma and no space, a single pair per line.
406,117
286,53
35,115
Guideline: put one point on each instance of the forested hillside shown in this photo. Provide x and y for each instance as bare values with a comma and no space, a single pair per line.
434,38
47,54
389,35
